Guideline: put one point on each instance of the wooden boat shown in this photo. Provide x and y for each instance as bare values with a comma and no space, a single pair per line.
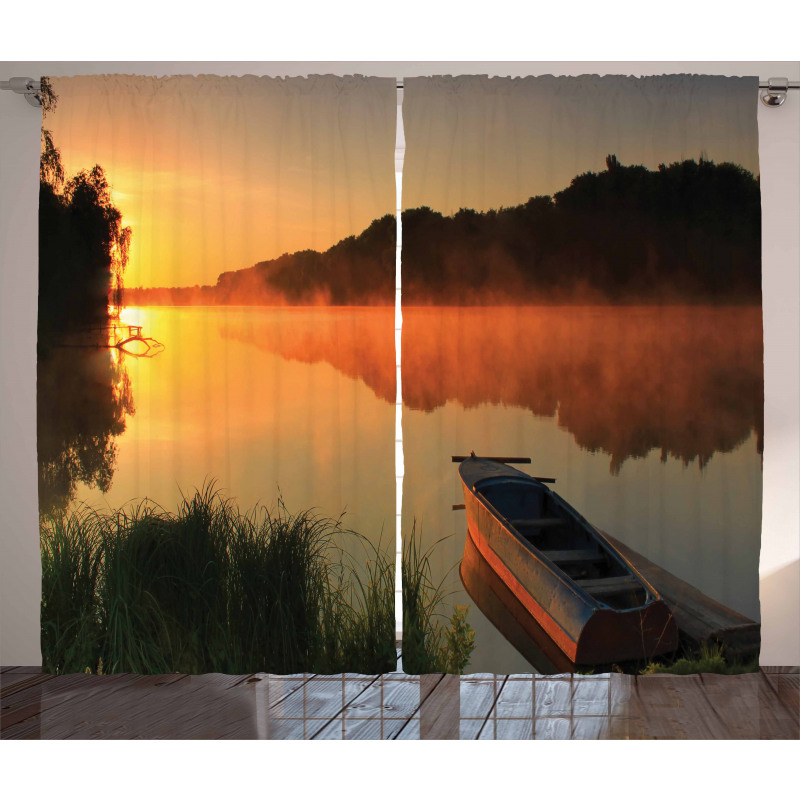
567,579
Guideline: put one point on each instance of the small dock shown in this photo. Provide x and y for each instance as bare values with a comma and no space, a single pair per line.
701,620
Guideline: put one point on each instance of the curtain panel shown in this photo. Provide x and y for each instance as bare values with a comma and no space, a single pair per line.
216,379
581,289
582,374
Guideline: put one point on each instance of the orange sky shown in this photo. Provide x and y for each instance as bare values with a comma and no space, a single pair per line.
215,174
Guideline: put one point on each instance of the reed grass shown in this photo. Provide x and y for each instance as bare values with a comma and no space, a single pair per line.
212,589
71,564
431,642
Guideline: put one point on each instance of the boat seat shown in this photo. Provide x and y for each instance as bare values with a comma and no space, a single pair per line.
538,524
601,586
573,556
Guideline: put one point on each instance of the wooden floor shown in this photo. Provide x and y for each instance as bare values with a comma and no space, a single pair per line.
762,705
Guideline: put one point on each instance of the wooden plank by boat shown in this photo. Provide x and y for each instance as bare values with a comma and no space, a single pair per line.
701,620
589,600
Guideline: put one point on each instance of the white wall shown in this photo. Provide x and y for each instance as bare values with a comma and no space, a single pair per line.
779,132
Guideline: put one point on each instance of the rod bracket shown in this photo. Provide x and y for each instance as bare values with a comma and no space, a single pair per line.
775,93
28,87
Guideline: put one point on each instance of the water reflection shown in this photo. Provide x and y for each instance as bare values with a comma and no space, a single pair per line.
358,342
687,381
250,397
83,398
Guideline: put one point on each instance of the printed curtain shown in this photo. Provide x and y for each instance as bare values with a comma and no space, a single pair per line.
216,380
581,358
581,288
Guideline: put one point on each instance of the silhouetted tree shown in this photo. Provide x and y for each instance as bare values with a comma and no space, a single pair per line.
687,232
358,270
83,246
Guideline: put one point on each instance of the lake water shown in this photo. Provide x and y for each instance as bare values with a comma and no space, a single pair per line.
258,399
650,419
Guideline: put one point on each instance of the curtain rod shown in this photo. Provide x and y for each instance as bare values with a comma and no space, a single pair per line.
774,94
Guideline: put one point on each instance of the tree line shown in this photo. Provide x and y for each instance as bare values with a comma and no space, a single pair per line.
687,232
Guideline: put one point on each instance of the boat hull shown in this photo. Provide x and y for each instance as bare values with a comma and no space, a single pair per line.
583,630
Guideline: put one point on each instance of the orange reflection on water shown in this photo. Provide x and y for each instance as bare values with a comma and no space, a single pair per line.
687,381
263,399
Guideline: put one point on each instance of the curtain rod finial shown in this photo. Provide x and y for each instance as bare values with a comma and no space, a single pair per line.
29,87
775,93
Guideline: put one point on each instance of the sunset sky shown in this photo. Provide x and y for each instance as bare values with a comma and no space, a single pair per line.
216,174
479,142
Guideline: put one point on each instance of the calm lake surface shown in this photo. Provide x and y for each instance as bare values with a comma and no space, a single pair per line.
650,419
259,399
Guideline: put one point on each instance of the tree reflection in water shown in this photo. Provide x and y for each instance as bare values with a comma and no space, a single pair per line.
83,398
623,380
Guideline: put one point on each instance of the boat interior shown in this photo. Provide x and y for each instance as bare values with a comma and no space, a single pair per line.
547,526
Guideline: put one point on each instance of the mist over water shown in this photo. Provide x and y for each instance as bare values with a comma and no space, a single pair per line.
686,381
649,418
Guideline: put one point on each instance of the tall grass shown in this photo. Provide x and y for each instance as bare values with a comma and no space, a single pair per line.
212,589
72,633
430,644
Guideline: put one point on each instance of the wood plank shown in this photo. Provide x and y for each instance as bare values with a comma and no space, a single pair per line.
623,706
539,523
620,583
22,703
478,694
739,710
11,682
552,728
510,729
700,618
387,699
786,686
650,709
589,728
470,729
440,709
210,706
318,703
61,707
553,697
678,707
512,715
591,695
779,706
354,688
30,670
355,728
409,731
515,699
573,556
